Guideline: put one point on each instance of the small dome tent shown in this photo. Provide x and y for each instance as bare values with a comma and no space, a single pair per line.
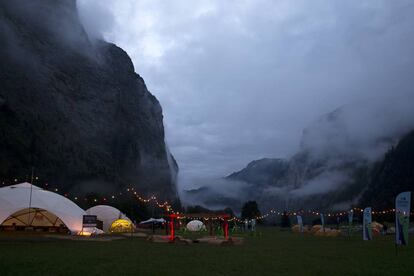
121,226
47,209
113,219
195,225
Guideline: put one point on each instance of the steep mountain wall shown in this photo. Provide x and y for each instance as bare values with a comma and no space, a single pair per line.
75,109
392,175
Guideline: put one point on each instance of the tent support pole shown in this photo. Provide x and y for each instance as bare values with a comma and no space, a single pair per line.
30,198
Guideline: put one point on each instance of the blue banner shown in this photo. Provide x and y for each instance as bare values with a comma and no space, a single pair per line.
350,220
300,223
323,222
402,218
366,226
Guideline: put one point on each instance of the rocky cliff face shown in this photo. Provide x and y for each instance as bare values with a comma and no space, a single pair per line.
263,172
75,109
392,175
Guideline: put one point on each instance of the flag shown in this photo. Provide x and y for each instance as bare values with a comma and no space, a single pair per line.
367,220
402,218
323,222
253,225
300,223
350,220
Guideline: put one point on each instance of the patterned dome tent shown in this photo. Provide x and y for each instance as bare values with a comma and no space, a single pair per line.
47,209
195,225
111,218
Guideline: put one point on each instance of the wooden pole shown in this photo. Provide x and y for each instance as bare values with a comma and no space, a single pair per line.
132,220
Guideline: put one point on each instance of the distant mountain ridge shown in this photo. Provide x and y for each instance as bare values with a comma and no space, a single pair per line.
337,166
262,172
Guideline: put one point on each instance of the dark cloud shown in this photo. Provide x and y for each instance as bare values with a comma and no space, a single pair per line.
240,80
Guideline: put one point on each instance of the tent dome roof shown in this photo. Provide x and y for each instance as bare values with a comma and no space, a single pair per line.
16,197
107,214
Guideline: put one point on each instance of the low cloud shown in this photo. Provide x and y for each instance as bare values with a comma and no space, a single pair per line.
240,80
323,183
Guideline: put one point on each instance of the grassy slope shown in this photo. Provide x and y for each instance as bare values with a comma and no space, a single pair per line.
274,253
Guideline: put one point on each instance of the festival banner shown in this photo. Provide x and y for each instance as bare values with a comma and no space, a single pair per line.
366,227
253,225
402,218
300,223
323,222
350,220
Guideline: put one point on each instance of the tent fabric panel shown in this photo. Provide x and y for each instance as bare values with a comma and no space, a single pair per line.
11,220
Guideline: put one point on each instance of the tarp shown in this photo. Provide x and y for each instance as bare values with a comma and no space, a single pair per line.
316,228
153,220
328,232
296,228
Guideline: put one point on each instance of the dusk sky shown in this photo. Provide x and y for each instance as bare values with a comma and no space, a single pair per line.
240,80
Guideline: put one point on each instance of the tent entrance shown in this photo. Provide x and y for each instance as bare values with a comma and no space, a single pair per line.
34,219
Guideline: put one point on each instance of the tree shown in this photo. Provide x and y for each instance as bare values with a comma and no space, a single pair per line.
250,210
197,209
229,211
285,220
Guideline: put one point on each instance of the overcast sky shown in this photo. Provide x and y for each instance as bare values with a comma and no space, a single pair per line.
239,80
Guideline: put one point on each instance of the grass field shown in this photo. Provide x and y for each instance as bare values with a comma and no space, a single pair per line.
274,252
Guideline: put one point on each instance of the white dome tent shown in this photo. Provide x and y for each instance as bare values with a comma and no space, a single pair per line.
195,226
111,217
48,209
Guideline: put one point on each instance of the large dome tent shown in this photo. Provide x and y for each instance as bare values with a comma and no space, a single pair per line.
47,209
113,219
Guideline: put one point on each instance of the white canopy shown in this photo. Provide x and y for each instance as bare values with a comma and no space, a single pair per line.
16,198
107,214
151,220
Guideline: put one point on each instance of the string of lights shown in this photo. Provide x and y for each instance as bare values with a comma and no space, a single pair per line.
328,214
167,207
206,219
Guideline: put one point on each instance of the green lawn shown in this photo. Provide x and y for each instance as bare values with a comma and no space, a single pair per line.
273,253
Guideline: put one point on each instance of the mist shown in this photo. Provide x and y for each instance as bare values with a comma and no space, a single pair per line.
240,81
